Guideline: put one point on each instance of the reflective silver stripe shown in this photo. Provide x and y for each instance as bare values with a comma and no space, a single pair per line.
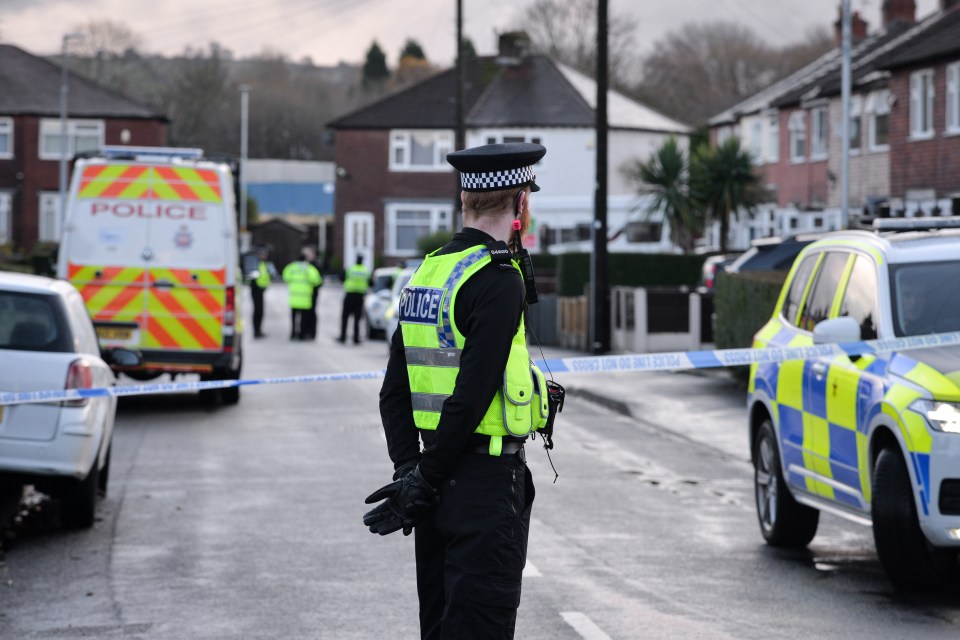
427,357
428,401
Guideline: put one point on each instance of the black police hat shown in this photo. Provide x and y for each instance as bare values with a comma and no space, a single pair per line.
493,167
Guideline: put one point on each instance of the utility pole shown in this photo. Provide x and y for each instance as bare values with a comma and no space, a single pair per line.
64,89
600,321
845,87
460,133
244,126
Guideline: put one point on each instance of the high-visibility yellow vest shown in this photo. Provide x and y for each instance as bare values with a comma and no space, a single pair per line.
263,275
433,344
357,279
301,277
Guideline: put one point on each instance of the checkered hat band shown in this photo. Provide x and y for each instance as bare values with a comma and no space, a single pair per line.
495,180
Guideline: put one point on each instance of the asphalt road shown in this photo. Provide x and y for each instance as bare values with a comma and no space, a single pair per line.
245,523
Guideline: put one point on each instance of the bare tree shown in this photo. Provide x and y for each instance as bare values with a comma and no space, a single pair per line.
566,30
702,68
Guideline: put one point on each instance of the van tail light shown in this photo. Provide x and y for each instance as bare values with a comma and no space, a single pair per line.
230,308
78,377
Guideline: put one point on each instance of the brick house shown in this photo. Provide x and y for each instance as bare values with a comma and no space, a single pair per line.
394,184
793,127
30,146
925,119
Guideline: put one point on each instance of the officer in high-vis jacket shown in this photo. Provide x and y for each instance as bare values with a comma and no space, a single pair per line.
460,380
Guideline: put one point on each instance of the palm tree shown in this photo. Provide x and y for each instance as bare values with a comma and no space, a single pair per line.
725,182
665,177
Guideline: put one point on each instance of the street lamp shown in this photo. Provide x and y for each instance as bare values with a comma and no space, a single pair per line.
63,120
244,116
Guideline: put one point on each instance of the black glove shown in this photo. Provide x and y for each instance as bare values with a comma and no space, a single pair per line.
405,502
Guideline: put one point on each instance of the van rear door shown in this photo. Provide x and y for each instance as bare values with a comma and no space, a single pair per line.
146,246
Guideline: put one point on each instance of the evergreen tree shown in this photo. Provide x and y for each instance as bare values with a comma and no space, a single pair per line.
375,71
412,49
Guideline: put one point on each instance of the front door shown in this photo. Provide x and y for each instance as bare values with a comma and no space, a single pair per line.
358,228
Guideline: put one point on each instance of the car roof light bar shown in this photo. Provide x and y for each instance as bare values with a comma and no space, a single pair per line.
150,153
929,223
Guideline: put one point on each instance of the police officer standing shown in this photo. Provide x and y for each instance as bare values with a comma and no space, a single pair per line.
301,278
356,281
460,378
259,281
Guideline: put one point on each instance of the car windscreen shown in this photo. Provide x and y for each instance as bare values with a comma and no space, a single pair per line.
33,322
381,282
925,297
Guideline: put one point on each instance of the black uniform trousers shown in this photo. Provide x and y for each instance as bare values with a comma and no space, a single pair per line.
471,552
352,306
308,331
256,292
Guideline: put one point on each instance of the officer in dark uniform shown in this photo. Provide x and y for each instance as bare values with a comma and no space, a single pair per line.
459,377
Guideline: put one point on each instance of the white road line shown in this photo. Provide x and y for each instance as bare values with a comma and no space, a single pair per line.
584,626
530,571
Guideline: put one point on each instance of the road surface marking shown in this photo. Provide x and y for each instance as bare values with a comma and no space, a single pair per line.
584,626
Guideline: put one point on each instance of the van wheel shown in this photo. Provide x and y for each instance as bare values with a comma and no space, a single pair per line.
784,522
909,560
78,500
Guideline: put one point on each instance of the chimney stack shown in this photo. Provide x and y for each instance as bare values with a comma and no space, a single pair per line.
899,11
858,27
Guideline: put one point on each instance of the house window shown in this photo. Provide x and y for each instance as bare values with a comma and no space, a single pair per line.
878,119
773,146
5,205
82,136
6,138
922,94
49,217
798,136
953,98
644,231
818,139
856,124
420,150
407,222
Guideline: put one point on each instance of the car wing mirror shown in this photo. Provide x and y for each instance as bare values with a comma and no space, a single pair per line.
123,357
836,330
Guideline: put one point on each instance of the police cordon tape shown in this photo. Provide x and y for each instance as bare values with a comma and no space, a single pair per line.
669,361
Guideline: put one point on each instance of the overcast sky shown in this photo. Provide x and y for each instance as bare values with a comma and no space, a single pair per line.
330,31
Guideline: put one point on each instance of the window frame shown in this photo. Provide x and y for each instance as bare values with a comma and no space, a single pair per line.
878,105
48,124
441,218
7,129
952,99
501,137
855,126
819,133
402,140
797,126
773,138
923,94
6,217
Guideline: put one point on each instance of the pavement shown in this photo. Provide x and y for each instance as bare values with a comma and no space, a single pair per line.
705,405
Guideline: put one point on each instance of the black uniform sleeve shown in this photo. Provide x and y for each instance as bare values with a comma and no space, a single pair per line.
396,410
488,311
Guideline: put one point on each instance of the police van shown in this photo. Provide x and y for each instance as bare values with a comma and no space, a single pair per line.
874,438
151,242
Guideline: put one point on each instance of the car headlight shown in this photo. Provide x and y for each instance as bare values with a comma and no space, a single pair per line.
942,416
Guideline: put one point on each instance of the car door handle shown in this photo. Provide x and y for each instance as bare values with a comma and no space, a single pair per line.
162,284
819,369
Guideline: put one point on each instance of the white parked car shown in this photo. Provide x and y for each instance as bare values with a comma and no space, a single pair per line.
377,301
393,312
47,342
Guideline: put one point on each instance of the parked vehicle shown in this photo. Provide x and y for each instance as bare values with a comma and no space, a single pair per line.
713,265
377,301
393,312
874,438
771,254
151,242
48,342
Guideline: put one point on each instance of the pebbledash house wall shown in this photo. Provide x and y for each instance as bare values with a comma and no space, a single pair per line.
922,164
26,175
365,183
869,169
800,184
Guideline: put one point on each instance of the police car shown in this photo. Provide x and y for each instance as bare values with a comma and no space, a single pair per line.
872,438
